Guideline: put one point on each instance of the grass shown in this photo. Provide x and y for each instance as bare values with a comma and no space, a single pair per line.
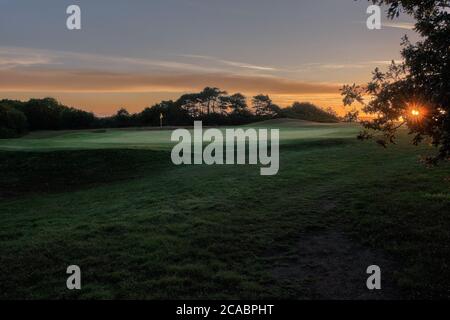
139,227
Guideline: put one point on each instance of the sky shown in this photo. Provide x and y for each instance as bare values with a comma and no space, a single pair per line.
135,53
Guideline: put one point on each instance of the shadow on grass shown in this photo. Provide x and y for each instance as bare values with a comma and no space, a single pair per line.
23,173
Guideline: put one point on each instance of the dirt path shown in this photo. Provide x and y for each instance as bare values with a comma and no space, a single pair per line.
329,265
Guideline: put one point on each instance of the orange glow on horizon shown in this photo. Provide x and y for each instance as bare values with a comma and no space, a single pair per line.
107,103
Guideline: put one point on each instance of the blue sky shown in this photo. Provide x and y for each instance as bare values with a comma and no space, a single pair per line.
134,53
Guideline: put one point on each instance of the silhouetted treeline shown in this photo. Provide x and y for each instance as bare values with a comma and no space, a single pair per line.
213,106
308,111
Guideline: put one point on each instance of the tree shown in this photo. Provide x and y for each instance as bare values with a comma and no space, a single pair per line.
43,114
351,116
261,103
308,111
151,116
264,106
173,113
71,118
13,123
238,102
122,118
191,103
416,92
211,99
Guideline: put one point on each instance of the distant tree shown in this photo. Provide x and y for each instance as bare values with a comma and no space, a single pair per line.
224,109
416,92
15,104
210,99
274,110
43,114
71,118
238,103
332,111
308,111
49,114
173,115
264,106
13,123
122,118
192,103
150,116
261,103
351,116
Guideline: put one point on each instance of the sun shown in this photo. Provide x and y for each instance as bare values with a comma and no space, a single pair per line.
415,112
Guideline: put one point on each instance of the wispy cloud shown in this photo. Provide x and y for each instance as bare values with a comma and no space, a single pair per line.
399,25
22,57
341,66
391,24
346,66
231,63
385,62
10,59
12,62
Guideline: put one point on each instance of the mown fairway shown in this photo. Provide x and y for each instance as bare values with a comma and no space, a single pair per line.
139,227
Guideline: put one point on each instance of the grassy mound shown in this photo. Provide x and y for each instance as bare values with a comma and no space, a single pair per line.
140,227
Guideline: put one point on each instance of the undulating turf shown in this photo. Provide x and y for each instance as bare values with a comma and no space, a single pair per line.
140,227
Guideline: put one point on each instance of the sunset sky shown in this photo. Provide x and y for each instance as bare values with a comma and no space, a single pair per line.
135,53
